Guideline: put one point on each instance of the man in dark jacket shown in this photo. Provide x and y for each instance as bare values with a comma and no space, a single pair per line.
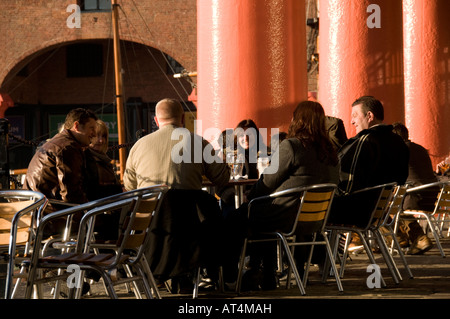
420,173
57,168
373,157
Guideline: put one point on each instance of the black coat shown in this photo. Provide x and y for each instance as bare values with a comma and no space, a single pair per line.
297,166
185,234
373,157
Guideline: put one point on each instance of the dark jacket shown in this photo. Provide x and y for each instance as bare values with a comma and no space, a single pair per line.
373,157
185,234
57,169
297,166
101,180
336,131
420,173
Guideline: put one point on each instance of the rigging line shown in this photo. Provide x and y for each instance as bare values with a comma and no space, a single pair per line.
35,70
162,53
156,61
152,55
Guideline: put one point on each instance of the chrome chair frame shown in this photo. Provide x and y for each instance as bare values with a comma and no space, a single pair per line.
442,206
375,220
288,240
36,210
394,210
94,206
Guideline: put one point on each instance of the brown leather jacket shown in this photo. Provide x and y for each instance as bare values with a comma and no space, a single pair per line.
57,169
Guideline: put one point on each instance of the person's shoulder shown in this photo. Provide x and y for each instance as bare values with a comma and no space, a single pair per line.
332,122
414,147
61,142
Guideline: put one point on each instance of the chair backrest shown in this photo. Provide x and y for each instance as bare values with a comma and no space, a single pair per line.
443,201
7,212
136,212
314,207
423,197
137,225
395,206
19,212
383,205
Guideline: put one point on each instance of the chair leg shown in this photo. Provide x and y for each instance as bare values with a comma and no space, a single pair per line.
147,286
241,266
387,257
150,277
370,255
308,263
348,239
333,264
196,284
293,266
432,224
129,273
400,251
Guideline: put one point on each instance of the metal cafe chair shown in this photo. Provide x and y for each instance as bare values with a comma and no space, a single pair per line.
439,200
369,229
20,211
126,251
312,213
395,208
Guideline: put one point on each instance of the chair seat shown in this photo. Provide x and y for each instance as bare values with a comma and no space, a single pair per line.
77,258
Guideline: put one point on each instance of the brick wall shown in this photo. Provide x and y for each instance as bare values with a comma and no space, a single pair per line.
30,31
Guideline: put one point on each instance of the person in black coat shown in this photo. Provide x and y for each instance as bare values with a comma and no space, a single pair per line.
375,156
420,173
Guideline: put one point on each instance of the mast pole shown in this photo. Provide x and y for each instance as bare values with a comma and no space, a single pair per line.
119,87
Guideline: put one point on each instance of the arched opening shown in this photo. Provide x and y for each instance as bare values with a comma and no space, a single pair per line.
46,85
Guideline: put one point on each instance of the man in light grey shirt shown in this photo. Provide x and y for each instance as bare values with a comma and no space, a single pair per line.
173,156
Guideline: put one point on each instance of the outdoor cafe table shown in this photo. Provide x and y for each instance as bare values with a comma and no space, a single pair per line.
239,186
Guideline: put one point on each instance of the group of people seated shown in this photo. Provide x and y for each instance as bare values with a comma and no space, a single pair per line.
73,167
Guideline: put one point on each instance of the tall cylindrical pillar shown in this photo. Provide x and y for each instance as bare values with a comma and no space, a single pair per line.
251,62
360,53
426,67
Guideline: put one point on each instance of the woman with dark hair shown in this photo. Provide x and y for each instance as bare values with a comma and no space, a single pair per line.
249,143
306,157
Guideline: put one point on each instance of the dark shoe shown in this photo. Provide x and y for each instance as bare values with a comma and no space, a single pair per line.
421,245
86,288
269,282
251,280
181,285
356,246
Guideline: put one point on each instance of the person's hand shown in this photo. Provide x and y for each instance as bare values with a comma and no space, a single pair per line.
443,168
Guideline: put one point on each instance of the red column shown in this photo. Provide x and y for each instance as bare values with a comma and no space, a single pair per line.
251,62
357,58
5,103
426,65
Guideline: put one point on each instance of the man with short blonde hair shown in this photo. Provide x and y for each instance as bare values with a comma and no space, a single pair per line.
151,159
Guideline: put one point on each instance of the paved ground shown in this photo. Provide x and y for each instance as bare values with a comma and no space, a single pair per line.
431,283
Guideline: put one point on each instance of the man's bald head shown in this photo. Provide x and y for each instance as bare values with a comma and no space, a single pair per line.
169,111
